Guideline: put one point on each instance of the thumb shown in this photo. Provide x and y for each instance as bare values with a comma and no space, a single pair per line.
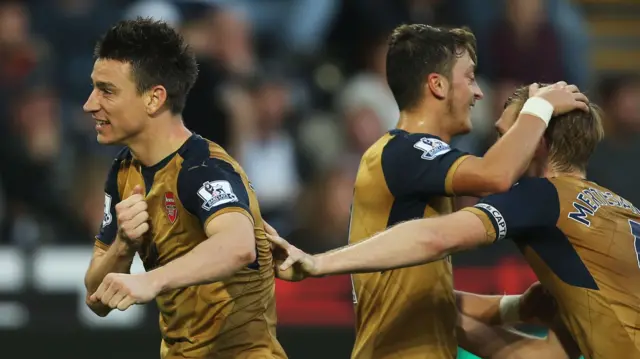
137,190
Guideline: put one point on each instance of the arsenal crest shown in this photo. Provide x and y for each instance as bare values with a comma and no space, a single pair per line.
170,207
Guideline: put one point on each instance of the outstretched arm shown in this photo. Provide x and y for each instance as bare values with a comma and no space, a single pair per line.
532,203
406,244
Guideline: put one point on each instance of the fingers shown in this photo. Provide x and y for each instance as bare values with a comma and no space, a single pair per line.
108,294
113,294
138,231
99,293
129,202
131,210
133,221
581,102
288,263
139,219
270,230
280,242
533,88
117,297
572,89
125,303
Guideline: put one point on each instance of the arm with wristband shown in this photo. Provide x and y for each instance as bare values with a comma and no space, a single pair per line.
535,306
506,161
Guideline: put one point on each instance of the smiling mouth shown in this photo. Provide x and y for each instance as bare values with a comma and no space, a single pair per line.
101,123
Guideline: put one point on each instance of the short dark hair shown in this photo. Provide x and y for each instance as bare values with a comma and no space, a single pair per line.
572,137
158,56
417,50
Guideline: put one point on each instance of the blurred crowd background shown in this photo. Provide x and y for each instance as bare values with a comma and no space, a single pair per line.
296,91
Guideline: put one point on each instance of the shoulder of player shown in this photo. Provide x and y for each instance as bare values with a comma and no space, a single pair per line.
535,185
122,160
402,143
199,151
205,161
123,157
529,191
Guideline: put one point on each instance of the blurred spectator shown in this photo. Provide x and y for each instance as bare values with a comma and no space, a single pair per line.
325,210
524,49
35,163
566,17
156,9
217,105
613,163
368,88
268,153
78,25
23,57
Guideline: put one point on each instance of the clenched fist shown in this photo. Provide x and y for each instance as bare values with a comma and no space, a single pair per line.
133,218
120,291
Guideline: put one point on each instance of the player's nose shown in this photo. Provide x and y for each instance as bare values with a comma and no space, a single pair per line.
477,92
91,105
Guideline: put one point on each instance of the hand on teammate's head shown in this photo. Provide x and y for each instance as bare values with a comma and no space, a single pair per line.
562,96
133,218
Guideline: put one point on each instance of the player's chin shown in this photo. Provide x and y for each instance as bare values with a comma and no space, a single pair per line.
105,139
466,126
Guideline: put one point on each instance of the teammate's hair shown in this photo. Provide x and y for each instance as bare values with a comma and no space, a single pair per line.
417,50
158,56
571,137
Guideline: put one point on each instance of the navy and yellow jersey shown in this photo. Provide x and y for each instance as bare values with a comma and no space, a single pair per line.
583,243
409,312
234,318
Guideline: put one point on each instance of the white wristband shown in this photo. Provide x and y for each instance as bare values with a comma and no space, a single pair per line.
510,309
538,107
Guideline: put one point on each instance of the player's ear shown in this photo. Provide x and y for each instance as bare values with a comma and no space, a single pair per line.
438,85
155,98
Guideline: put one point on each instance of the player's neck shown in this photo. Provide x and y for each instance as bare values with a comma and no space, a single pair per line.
159,141
425,120
552,171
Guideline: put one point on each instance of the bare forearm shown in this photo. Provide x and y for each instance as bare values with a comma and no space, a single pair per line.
211,261
494,342
511,155
117,259
484,308
490,341
405,245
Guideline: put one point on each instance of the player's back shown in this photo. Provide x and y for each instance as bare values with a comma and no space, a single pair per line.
591,264
409,312
232,318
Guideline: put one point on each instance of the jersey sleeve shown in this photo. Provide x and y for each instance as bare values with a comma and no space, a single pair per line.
211,189
532,203
109,227
420,165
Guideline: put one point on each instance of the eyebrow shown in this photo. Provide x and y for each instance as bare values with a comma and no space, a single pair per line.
104,85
